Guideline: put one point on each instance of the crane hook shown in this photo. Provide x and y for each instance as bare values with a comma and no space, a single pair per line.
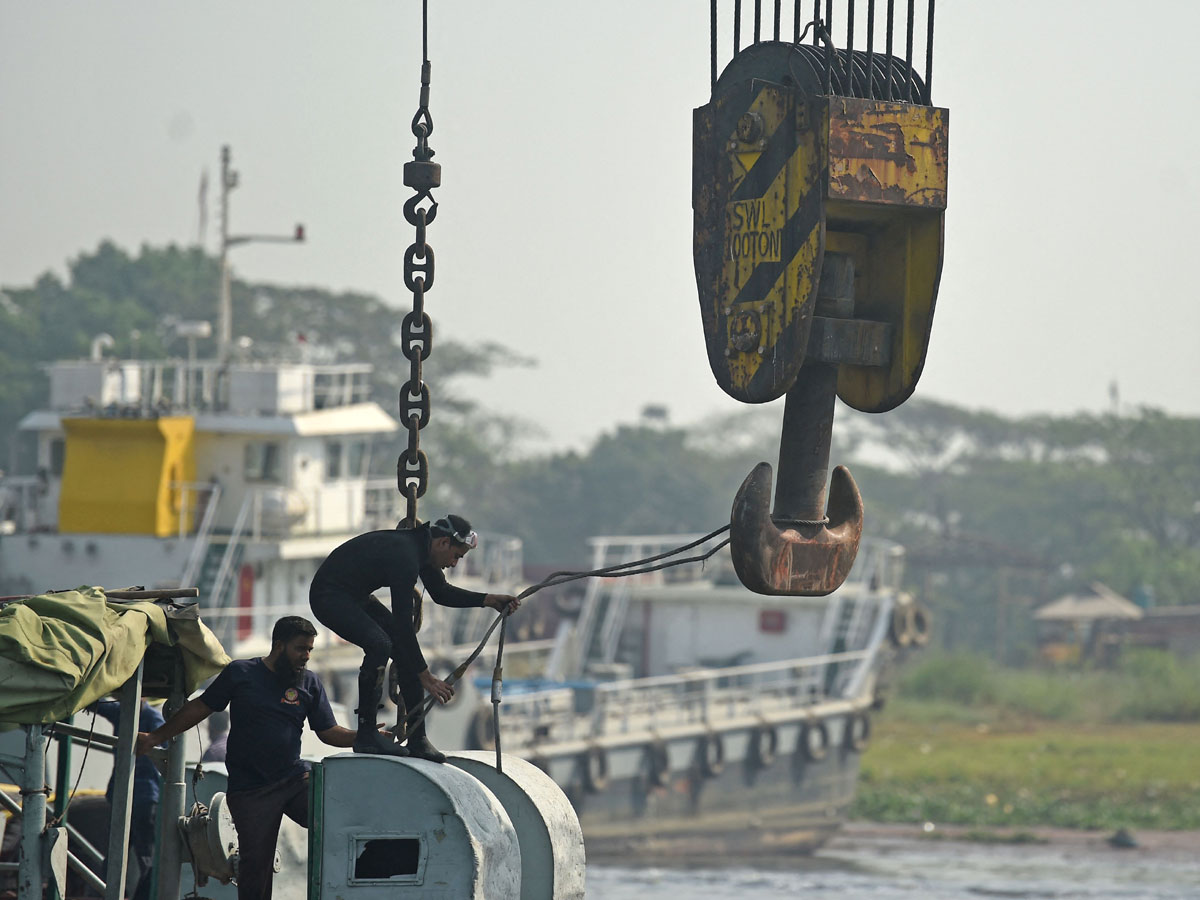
802,548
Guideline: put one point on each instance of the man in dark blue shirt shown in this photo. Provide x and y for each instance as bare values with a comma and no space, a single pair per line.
269,701
341,599
146,790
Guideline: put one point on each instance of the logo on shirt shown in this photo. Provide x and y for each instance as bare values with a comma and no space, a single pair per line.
291,696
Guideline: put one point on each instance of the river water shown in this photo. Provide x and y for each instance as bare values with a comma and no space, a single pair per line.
907,869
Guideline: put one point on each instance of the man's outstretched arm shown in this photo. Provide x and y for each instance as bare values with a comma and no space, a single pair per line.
191,713
337,736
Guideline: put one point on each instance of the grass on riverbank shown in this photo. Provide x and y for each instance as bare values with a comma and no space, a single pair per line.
1146,686
967,744
1140,775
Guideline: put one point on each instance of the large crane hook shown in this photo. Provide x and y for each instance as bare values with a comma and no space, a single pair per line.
802,546
819,194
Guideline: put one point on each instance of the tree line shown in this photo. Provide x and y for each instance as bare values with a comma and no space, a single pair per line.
998,513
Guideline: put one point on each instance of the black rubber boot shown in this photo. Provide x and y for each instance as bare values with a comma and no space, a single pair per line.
419,747
368,739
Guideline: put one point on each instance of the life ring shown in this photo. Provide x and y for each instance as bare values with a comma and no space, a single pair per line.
920,625
710,752
858,732
900,629
481,733
593,762
764,746
813,741
658,764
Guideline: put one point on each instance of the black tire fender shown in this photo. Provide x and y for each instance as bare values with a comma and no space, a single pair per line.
920,626
764,746
481,733
593,763
900,629
813,741
658,764
858,732
710,752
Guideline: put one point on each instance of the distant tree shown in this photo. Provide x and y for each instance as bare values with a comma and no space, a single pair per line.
139,299
993,508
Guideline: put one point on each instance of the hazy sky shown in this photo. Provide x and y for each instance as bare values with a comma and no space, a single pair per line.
564,132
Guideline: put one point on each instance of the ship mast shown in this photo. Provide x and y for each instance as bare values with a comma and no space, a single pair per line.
229,180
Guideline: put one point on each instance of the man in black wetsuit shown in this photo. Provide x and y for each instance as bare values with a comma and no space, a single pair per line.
341,600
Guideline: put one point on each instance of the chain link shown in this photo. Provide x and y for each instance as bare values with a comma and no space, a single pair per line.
416,331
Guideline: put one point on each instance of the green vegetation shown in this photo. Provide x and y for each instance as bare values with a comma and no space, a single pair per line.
1146,685
969,743
1098,777
998,514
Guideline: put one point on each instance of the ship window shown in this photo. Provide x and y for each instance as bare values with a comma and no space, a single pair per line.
356,456
58,452
323,391
262,461
333,459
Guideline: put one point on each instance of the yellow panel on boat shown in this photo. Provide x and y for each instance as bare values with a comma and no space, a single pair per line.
124,476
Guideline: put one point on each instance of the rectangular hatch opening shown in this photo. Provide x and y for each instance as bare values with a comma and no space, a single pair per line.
392,859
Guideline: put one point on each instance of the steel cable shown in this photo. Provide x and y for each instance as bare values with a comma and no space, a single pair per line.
621,570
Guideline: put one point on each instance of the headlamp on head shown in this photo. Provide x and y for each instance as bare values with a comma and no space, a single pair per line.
461,533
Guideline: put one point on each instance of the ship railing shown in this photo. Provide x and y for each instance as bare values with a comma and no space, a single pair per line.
341,385
857,679
205,498
352,506
697,698
610,550
602,614
224,574
878,565
873,581
381,504
347,507
157,387
21,503
498,560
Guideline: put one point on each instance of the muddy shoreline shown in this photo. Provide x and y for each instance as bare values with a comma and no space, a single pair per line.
858,838
854,835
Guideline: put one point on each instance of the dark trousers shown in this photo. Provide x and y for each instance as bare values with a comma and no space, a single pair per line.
143,820
142,829
257,815
372,626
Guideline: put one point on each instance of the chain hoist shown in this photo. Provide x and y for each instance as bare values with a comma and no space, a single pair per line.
416,331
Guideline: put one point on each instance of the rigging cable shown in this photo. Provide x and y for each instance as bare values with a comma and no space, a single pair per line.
86,749
620,570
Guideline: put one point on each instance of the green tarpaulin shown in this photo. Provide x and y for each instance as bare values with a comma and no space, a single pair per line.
60,652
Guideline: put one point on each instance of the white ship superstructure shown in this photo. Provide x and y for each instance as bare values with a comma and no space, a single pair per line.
238,478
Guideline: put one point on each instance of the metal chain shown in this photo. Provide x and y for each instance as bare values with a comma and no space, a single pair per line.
416,331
